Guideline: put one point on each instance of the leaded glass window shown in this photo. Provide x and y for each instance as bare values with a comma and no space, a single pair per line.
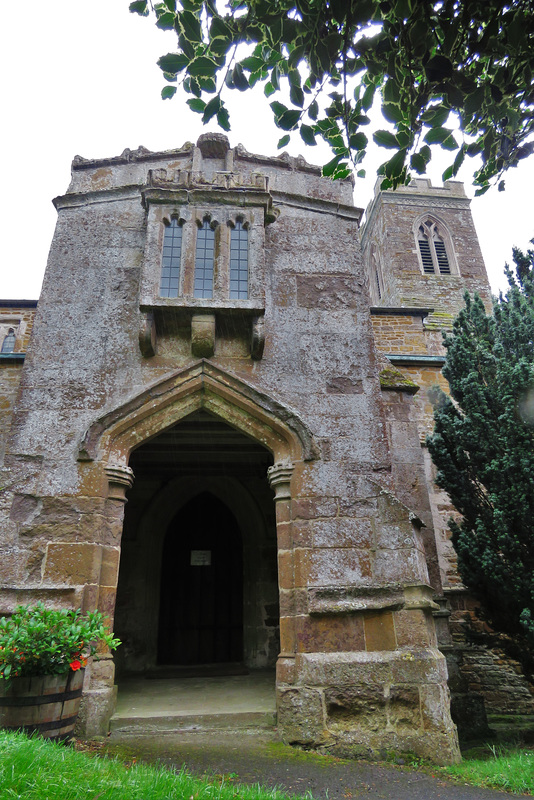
239,262
204,259
8,345
170,262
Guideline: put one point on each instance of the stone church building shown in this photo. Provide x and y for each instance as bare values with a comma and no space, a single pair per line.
220,344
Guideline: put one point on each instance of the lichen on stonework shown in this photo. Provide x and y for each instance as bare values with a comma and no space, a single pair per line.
391,378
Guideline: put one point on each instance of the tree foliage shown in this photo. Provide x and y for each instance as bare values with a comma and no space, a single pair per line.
426,59
483,447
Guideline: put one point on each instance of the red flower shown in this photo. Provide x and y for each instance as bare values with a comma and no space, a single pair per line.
74,665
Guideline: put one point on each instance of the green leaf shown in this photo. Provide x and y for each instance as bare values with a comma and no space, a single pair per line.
139,7
394,166
426,153
189,24
368,97
166,21
296,95
307,135
341,171
223,119
361,173
473,102
202,67
313,110
269,89
392,112
358,141
329,169
278,108
196,104
212,108
167,92
436,117
437,135
438,68
173,62
289,119
239,78
385,139
252,63
283,141
458,161
219,28
390,92
418,163
450,143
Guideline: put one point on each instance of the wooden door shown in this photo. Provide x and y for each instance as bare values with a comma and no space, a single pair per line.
201,610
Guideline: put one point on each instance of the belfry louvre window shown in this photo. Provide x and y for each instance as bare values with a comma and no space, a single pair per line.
171,258
432,249
8,345
239,262
204,260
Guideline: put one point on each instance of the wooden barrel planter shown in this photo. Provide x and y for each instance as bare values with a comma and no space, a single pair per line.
45,705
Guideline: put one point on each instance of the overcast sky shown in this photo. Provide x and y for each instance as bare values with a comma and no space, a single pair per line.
81,78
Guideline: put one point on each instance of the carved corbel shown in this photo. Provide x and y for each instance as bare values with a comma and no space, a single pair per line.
257,342
279,476
203,335
120,479
147,335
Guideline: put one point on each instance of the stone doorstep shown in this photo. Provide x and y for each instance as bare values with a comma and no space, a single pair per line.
176,723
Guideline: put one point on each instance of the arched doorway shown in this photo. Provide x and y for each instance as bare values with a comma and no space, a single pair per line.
198,579
201,605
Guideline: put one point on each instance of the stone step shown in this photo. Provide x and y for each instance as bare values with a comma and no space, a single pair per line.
122,725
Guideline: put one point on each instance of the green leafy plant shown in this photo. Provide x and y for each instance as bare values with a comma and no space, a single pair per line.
454,74
37,640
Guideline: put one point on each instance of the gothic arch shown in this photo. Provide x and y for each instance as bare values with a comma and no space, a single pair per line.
436,228
112,437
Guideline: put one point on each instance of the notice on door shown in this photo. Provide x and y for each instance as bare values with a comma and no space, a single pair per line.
201,558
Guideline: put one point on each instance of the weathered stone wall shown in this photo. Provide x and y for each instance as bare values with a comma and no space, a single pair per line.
412,338
17,316
390,231
293,367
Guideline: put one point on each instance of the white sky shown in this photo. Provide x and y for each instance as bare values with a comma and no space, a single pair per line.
81,78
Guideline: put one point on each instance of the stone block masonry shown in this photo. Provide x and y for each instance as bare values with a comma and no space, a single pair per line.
269,517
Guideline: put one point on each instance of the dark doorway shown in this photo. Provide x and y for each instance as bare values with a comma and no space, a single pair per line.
201,606
199,485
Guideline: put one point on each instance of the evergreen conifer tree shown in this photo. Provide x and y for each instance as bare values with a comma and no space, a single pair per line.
483,447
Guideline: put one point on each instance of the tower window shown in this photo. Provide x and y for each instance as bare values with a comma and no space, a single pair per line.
239,262
171,258
378,284
8,345
432,249
204,261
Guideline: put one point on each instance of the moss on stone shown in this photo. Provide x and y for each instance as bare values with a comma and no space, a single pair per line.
392,379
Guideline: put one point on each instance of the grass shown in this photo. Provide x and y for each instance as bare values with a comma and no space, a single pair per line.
36,769
510,769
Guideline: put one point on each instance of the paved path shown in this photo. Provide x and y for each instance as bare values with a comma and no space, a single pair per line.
258,759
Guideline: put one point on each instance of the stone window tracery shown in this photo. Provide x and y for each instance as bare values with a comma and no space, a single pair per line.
433,248
8,345
239,260
204,260
171,259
